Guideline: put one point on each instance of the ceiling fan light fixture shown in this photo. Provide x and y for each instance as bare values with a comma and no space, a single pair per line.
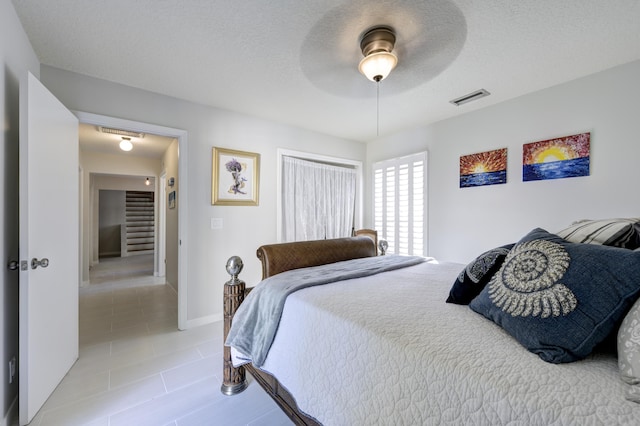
377,66
377,46
125,144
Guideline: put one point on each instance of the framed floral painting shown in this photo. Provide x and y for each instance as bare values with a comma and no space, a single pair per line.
235,178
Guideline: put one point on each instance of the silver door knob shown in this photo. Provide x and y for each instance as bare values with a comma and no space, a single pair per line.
44,262
13,265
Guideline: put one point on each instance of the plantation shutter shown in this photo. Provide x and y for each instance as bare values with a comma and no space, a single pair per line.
399,203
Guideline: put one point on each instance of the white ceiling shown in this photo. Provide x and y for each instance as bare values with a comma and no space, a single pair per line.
295,62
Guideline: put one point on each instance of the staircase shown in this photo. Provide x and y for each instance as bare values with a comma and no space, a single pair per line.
140,221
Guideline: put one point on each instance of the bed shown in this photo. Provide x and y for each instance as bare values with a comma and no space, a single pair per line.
385,348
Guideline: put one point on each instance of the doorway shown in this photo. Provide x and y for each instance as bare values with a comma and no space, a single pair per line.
176,253
128,233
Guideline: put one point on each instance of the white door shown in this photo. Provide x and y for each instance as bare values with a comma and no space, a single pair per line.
49,228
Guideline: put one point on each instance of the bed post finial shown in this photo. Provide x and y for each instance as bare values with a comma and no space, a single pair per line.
383,245
234,267
234,379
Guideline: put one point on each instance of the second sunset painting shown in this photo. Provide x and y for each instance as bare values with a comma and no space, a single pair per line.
484,168
556,158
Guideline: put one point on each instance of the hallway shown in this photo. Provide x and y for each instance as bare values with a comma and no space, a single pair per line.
136,368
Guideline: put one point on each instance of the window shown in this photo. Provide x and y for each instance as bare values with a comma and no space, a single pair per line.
320,197
399,203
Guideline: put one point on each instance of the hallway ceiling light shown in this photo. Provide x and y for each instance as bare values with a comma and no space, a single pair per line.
125,144
147,182
377,45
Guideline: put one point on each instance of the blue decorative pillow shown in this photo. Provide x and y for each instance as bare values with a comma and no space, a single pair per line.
561,299
476,275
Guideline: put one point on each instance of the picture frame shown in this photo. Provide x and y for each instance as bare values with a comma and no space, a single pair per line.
235,177
558,158
483,168
172,200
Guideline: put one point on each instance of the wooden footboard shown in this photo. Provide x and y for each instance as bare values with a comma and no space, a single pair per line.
277,258
282,397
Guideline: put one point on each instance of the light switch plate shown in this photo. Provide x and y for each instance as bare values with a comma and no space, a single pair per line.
216,223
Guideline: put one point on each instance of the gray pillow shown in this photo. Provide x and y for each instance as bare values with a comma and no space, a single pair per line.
629,351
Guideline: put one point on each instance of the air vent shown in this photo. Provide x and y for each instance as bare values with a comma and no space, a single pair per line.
121,132
470,97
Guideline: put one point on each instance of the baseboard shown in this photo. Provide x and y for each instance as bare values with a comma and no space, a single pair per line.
203,321
11,419
109,254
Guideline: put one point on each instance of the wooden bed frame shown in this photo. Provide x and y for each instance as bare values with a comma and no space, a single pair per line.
277,258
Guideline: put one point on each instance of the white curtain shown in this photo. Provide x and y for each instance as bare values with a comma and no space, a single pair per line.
318,200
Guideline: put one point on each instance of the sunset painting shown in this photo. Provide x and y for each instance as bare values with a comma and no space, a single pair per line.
556,158
485,168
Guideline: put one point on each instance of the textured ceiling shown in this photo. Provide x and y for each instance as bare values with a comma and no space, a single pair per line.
296,61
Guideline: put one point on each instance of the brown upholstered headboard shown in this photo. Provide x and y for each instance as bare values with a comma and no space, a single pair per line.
282,257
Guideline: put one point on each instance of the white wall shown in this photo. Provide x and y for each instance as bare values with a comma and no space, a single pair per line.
170,162
16,58
465,222
244,227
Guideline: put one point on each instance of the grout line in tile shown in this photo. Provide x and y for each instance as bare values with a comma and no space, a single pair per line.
164,383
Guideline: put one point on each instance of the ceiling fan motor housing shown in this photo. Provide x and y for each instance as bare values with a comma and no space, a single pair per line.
378,39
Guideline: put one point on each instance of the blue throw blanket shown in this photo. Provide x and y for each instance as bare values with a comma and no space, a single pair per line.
256,320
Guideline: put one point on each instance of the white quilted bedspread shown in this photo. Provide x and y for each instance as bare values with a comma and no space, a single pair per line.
388,350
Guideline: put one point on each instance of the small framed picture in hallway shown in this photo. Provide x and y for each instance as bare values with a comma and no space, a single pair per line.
172,200
235,177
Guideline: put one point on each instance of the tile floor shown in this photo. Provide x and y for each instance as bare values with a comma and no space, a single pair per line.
136,368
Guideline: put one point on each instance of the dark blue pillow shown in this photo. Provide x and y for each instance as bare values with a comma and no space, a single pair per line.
561,299
476,275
